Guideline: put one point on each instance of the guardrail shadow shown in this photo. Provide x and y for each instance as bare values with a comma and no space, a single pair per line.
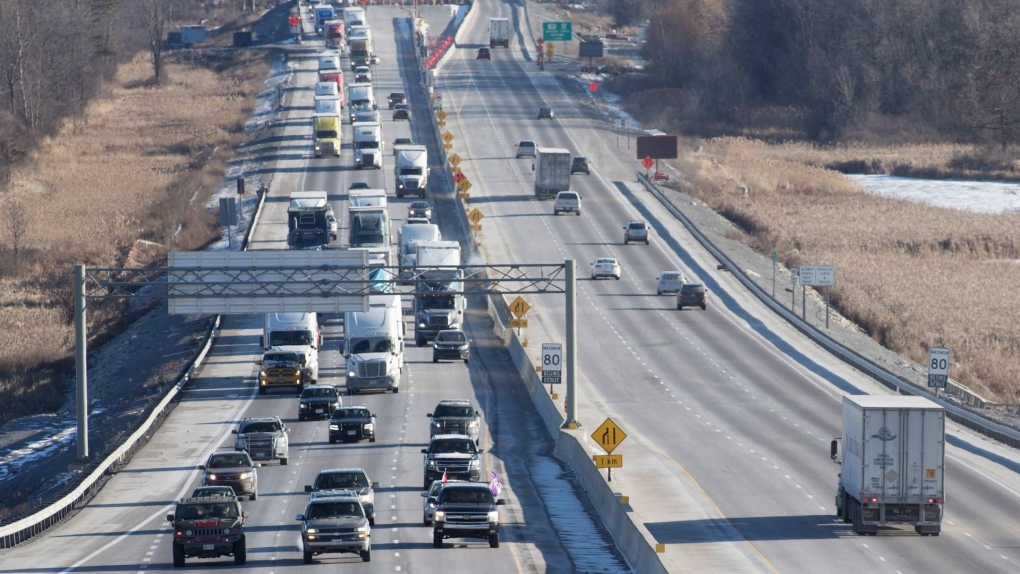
752,529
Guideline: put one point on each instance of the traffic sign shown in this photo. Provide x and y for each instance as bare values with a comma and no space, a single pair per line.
447,146
518,323
294,21
440,115
454,160
557,31
474,216
593,87
463,195
817,275
608,460
609,436
552,359
549,50
648,162
938,367
464,185
458,177
519,306
539,42
447,137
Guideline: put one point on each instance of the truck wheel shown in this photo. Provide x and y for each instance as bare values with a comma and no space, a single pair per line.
425,520
420,342
366,556
254,495
437,540
494,540
426,483
332,440
371,520
240,552
372,439
262,390
307,556
396,390
704,306
283,461
178,556
579,213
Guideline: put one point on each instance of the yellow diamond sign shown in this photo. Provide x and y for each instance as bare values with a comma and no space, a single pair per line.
474,216
519,307
440,115
447,137
464,185
454,160
609,436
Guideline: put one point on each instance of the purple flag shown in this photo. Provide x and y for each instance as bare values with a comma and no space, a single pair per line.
495,485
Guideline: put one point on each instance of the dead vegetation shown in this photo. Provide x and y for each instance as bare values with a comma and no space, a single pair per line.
123,185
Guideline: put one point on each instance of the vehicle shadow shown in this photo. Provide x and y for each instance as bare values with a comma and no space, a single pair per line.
754,528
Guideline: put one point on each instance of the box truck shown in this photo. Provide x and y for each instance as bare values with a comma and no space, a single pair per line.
893,450
499,32
552,171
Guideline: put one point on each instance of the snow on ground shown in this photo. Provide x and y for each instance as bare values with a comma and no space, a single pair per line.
978,196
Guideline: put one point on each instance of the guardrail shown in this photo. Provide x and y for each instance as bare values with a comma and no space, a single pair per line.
973,421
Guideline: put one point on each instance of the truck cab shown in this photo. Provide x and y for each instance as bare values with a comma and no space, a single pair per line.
368,145
374,346
311,222
297,333
327,135
439,303
411,170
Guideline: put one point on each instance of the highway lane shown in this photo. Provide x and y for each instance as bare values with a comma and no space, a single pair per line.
124,528
746,405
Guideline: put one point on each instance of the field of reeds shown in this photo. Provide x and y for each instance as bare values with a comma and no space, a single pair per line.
912,276
122,187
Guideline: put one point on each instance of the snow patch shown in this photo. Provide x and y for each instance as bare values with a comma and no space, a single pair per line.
976,196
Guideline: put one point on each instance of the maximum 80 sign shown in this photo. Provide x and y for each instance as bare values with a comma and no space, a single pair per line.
552,360
938,367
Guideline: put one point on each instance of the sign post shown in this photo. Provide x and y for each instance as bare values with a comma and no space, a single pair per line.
773,273
794,275
938,368
817,276
609,436
552,359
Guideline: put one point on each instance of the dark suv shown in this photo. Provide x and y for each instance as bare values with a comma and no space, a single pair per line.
208,527
396,98
234,469
452,455
355,479
318,402
455,417
334,522
579,164
351,423
466,510
636,230
692,295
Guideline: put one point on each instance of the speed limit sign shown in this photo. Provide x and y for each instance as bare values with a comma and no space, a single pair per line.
938,367
552,360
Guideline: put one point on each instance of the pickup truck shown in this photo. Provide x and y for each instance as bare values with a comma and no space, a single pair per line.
466,510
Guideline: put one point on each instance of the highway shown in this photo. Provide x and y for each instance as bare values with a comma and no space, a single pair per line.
124,527
729,410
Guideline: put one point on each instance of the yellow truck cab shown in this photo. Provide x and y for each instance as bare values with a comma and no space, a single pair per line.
327,135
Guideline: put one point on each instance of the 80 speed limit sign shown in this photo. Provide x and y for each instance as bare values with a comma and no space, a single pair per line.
552,361
938,367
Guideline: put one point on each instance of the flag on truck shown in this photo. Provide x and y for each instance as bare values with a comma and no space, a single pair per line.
495,485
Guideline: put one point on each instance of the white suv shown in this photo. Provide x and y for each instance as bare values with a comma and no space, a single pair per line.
636,230
525,148
605,267
567,201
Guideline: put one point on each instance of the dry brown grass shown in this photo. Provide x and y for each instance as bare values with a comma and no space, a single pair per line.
914,276
141,166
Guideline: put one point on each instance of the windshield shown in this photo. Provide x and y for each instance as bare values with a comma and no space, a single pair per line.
670,276
454,411
351,414
281,358
288,338
206,511
261,426
466,495
452,446
692,289
440,302
228,461
371,345
451,337
313,393
368,145
341,480
332,510
326,134
412,171
367,230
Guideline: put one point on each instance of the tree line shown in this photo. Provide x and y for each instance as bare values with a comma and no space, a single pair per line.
920,68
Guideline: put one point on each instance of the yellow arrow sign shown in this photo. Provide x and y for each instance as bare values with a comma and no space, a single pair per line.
454,160
447,137
474,216
519,307
440,115
608,460
609,436
464,185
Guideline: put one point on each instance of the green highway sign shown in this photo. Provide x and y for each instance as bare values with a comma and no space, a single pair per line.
557,31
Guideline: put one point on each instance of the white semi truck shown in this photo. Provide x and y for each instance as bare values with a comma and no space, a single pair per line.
439,301
374,345
368,145
893,450
552,171
411,170
410,236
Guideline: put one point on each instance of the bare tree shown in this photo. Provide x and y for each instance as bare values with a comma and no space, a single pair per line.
16,225
155,17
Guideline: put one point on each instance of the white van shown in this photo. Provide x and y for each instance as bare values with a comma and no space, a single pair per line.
295,332
374,345
327,89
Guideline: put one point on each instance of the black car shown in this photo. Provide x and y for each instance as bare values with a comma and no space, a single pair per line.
546,112
318,401
454,456
396,98
351,423
451,344
692,295
579,164
402,112
483,54
420,209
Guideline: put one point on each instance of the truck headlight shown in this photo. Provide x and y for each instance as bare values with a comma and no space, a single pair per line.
422,325
473,425
334,427
352,374
474,463
211,477
303,406
188,533
369,427
493,516
363,528
310,531
439,516
432,464
226,531
437,424
244,475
